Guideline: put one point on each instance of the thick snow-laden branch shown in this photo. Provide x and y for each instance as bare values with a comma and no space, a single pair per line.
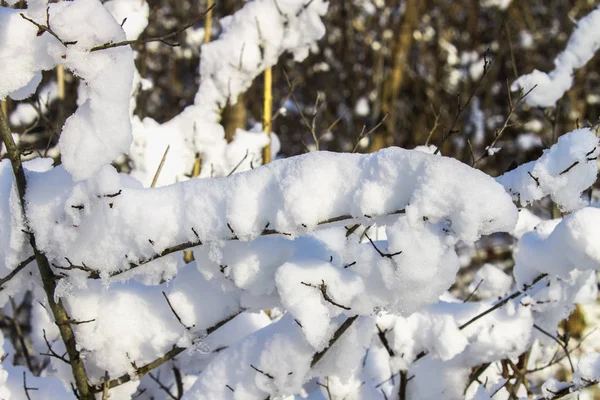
105,223
107,219
100,129
581,47
563,172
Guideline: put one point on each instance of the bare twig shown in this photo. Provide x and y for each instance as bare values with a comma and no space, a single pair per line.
95,273
560,343
364,134
46,28
145,369
336,336
323,289
25,387
308,125
15,271
502,302
381,253
461,107
239,164
48,278
162,38
161,385
160,166
51,352
473,292
384,340
436,124
175,312
499,132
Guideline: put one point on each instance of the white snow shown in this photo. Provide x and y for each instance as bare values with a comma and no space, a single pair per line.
581,47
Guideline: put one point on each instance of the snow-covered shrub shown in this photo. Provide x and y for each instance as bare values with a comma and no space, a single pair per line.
325,275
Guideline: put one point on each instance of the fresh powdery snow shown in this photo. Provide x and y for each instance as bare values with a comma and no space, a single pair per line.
100,129
250,41
321,276
581,47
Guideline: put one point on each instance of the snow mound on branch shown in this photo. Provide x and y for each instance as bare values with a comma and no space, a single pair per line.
573,244
228,66
22,54
563,172
104,219
133,14
581,47
100,129
588,369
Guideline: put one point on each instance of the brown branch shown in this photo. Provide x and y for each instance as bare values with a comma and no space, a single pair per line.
403,383
381,253
323,289
336,336
145,369
502,302
162,38
511,109
560,343
48,278
15,271
384,340
96,274
460,108
19,333
46,28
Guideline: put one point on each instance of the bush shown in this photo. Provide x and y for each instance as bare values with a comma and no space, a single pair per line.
168,258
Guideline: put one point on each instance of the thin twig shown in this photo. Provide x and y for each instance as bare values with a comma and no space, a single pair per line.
323,289
96,274
160,167
364,134
560,343
502,302
461,107
381,253
308,125
336,336
162,386
15,271
162,38
143,370
499,132
473,292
